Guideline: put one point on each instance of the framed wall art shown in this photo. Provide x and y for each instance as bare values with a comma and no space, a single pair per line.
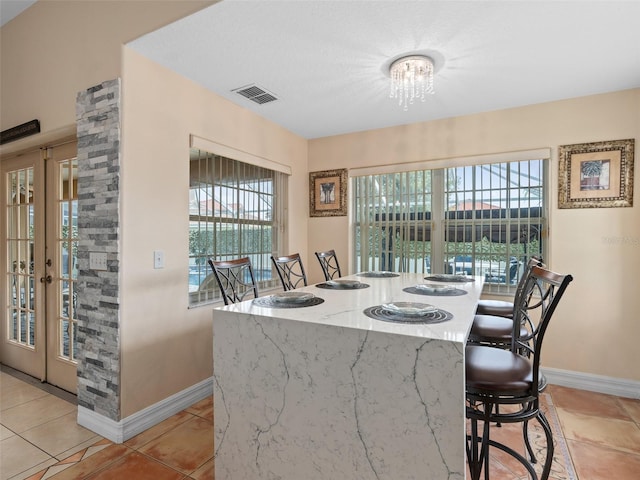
328,193
596,175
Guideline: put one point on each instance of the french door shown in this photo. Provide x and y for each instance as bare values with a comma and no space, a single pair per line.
39,264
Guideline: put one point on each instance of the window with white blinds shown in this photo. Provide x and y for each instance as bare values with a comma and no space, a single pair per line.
236,209
483,219
393,221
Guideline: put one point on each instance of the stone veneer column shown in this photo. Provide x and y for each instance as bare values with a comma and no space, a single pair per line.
98,310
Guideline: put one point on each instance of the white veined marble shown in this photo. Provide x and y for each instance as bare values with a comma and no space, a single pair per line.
299,396
344,307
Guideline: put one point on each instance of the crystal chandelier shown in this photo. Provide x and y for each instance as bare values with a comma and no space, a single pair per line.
411,78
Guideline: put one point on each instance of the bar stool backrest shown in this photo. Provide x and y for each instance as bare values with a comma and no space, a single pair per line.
539,298
235,279
290,270
329,263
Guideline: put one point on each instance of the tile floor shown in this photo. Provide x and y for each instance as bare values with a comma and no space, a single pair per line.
39,439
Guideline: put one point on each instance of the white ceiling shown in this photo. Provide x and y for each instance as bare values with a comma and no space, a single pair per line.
327,61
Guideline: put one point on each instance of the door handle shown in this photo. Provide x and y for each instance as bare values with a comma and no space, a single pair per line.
47,279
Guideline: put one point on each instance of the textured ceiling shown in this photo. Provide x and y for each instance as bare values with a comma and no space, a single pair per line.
327,61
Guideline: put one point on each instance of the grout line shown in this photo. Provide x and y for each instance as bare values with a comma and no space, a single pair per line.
552,412
34,382
623,406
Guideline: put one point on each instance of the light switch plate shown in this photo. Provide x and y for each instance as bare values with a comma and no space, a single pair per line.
98,261
158,259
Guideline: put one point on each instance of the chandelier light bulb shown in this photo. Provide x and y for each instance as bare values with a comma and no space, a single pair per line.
411,78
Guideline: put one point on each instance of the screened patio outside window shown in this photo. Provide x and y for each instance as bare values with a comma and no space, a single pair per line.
485,219
236,209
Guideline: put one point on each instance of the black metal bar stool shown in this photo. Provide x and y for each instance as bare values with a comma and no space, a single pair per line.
498,377
493,322
235,279
290,270
329,263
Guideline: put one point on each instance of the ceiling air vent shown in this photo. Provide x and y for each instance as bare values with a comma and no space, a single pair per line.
255,94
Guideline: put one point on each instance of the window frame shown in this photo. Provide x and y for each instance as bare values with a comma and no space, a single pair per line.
212,222
440,220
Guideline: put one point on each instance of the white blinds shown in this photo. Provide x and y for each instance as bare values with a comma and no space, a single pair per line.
440,163
244,157
480,219
392,217
236,209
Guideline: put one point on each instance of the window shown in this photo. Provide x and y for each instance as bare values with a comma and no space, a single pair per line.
480,219
235,210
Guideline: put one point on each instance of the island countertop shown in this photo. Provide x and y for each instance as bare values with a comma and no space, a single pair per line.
344,307
326,392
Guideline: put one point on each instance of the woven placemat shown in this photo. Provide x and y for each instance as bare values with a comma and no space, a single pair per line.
330,286
271,303
450,278
380,313
450,292
378,274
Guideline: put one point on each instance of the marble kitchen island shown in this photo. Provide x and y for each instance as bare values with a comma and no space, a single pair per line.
326,392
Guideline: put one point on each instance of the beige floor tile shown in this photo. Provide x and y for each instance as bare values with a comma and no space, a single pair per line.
34,472
18,393
7,380
95,463
603,433
58,435
588,403
76,448
157,430
136,466
5,432
621,435
593,462
203,408
17,456
632,406
35,412
51,471
205,472
186,447
510,435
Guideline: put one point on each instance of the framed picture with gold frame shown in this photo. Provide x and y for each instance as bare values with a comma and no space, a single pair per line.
596,175
328,193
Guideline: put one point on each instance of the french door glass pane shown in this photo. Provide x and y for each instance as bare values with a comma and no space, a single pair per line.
20,275
67,248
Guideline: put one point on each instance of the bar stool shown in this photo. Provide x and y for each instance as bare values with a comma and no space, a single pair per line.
498,377
329,263
235,279
493,322
502,308
290,270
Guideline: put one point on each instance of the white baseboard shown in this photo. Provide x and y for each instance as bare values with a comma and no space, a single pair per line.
123,430
129,427
593,383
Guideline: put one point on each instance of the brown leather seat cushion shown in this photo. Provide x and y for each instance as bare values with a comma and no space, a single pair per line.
496,370
490,327
495,307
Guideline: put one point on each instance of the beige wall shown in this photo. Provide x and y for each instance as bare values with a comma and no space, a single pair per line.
596,327
57,48
167,347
